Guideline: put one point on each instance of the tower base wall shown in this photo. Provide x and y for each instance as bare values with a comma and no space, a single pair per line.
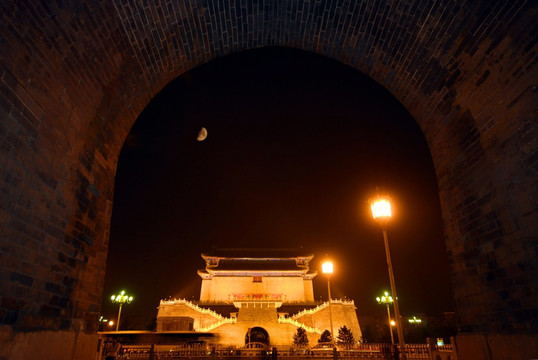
47,345
497,346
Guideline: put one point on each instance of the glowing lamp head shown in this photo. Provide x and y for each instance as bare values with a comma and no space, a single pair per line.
385,299
121,298
327,267
381,208
111,323
392,323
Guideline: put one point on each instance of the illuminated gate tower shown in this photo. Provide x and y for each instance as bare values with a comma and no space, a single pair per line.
252,295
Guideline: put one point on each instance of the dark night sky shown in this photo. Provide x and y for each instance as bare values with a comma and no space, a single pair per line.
296,145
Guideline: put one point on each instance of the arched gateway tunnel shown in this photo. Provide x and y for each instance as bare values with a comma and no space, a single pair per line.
76,75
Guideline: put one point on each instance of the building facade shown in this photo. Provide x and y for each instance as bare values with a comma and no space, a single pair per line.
257,298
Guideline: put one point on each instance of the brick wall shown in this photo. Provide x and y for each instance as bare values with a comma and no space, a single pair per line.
75,75
264,315
200,320
342,314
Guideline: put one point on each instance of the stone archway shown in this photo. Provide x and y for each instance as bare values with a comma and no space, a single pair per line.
75,76
257,334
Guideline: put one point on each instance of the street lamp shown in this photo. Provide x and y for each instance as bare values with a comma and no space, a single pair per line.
327,268
382,214
386,299
102,322
120,299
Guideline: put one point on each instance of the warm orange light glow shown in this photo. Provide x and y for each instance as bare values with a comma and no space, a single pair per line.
381,208
392,323
111,323
327,267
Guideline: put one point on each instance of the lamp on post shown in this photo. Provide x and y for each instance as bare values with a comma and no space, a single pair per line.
121,299
386,299
327,268
382,213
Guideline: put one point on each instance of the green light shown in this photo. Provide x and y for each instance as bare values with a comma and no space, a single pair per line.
121,298
385,299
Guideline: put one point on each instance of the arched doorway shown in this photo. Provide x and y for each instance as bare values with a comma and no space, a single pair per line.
324,97
465,71
257,334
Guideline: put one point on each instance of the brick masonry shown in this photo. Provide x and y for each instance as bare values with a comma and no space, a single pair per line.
264,315
74,76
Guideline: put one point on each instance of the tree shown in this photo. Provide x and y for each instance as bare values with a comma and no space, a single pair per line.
300,338
325,337
345,336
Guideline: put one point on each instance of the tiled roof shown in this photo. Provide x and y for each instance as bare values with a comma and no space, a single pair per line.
258,265
258,253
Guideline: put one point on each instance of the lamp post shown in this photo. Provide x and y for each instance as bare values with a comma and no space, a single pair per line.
386,299
327,268
382,214
121,299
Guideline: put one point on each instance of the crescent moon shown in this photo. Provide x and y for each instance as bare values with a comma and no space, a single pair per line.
202,134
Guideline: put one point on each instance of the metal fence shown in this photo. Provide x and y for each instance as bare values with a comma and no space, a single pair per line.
220,352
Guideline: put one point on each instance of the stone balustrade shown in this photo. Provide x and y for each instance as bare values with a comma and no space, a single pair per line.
285,320
322,306
194,307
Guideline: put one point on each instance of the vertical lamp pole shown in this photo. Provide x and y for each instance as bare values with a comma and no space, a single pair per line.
120,299
327,268
382,214
386,299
